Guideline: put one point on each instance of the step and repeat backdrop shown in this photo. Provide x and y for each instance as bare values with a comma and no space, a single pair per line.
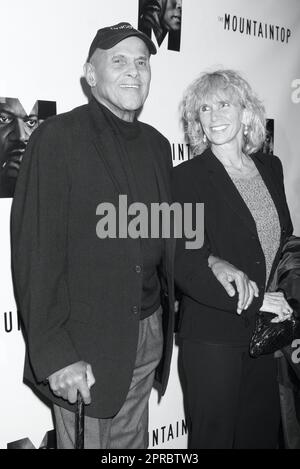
44,46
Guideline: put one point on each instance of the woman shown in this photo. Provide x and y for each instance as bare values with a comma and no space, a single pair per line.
231,399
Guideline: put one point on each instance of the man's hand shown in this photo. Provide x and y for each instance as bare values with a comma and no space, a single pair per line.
226,274
76,377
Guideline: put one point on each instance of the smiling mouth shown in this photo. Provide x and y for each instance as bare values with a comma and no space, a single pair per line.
136,87
218,128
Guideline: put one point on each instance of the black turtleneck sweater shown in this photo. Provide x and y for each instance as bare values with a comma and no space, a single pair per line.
136,153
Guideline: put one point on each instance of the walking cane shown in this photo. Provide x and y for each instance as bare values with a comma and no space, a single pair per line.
79,422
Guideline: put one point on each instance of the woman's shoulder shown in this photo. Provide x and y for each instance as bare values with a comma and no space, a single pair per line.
190,167
273,164
268,159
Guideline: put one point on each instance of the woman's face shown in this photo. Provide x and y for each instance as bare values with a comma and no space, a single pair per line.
221,119
172,16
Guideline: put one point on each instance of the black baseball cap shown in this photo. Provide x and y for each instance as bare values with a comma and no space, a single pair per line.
111,35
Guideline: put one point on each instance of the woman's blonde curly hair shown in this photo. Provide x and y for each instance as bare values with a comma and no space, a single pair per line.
227,83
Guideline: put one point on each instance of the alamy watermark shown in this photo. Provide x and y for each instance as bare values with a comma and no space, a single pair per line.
160,220
296,353
295,96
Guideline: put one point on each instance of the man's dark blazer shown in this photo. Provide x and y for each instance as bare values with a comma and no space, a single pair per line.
207,312
79,295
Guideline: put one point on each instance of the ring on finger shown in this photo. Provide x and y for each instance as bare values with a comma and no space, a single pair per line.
287,314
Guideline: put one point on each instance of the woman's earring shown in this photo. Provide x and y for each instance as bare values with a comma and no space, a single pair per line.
204,140
245,130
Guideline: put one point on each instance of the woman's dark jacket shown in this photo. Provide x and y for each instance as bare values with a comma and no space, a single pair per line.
207,312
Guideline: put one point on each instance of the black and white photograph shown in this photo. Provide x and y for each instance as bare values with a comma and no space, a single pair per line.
150,227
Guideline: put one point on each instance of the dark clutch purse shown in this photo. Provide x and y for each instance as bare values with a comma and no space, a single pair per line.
269,337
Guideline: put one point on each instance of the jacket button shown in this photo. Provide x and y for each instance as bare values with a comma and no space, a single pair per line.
138,269
257,262
135,309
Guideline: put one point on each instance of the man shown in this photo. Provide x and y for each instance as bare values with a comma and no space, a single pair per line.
163,16
16,127
98,313
171,19
92,308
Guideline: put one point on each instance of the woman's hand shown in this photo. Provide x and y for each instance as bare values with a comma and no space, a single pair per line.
276,303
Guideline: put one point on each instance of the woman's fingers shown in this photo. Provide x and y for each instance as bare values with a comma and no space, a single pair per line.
276,303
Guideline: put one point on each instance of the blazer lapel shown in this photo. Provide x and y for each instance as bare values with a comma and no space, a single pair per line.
267,176
106,145
108,149
164,187
227,190
270,182
223,184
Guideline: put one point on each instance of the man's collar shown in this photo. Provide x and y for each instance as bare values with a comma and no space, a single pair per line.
98,117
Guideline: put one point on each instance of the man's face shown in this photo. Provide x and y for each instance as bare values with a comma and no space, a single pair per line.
172,17
120,76
15,129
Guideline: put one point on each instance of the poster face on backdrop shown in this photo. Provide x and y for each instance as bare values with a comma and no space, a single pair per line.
16,126
268,145
163,18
